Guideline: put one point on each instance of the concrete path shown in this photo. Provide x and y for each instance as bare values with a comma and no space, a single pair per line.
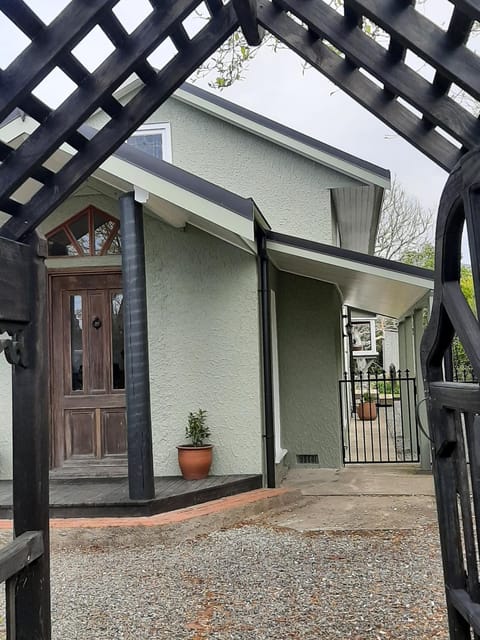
355,498
363,497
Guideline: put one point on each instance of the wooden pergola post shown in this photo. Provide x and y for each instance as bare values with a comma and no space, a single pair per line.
28,592
137,372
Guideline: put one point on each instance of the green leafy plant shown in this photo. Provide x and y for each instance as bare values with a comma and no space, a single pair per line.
197,429
368,397
385,388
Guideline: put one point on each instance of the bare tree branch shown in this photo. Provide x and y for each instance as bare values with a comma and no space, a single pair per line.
404,225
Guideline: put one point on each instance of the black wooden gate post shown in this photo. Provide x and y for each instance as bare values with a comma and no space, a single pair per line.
30,590
139,420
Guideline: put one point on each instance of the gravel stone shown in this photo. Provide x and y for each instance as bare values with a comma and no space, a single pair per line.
250,581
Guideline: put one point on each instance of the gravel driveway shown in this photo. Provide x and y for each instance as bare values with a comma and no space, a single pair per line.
249,581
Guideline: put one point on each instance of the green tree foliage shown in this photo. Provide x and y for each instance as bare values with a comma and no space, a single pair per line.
425,257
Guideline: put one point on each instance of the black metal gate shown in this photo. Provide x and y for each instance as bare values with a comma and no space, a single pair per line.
378,417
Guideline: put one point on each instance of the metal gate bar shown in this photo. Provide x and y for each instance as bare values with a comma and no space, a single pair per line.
378,418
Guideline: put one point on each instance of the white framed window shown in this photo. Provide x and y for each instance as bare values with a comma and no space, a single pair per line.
154,139
363,337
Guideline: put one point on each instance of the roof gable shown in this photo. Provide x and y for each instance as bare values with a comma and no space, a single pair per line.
275,132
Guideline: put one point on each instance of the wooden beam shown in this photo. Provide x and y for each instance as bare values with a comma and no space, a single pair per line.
458,32
43,54
464,604
31,591
104,143
355,84
62,124
19,553
427,40
247,17
460,396
464,321
470,7
14,277
137,373
397,77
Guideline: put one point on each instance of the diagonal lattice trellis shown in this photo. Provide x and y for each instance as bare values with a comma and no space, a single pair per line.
334,37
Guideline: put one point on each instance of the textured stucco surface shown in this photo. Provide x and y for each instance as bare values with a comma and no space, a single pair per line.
204,347
308,317
5,419
204,344
292,192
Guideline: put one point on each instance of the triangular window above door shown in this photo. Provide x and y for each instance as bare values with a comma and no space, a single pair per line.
89,233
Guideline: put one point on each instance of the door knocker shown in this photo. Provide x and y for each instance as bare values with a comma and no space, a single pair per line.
96,323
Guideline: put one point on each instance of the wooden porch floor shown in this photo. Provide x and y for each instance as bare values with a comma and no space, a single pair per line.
104,497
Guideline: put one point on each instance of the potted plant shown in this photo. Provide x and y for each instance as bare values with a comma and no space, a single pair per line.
367,409
195,459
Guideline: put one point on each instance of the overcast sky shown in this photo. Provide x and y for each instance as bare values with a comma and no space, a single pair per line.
276,86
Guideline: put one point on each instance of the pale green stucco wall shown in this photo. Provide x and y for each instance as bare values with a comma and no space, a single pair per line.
204,344
204,347
308,320
292,192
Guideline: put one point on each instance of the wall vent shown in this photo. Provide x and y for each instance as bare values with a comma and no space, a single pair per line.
307,458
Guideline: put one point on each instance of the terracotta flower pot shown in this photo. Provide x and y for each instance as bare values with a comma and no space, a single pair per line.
367,411
195,462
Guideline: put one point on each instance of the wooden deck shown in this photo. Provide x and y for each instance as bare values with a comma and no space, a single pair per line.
103,497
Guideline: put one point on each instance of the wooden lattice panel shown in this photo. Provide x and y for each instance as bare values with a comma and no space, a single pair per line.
51,50
333,36
377,73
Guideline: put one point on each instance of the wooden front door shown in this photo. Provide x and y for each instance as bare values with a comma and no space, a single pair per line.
88,374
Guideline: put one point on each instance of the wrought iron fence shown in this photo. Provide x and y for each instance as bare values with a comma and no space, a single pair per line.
379,422
464,374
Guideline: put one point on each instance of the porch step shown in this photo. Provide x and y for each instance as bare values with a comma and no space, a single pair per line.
106,468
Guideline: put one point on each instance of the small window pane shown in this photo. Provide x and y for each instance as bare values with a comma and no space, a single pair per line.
76,342
95,232
116,247
102,228
118,362
79,229
151,144
60,245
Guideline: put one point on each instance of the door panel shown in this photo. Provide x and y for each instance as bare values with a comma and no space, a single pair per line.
80,432
114,431
88,396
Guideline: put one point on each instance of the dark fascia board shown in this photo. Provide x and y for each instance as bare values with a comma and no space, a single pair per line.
284,130
347,254
243,207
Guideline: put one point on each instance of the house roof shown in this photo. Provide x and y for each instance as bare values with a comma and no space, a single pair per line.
365,282
284,136
179,198
176,195
357,207
275,132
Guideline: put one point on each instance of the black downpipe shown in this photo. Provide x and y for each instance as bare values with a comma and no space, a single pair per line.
351,360
266,335
139,422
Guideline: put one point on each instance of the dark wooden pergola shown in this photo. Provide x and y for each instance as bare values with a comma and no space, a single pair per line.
377,75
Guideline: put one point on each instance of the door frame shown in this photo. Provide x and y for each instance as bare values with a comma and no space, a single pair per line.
56,457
